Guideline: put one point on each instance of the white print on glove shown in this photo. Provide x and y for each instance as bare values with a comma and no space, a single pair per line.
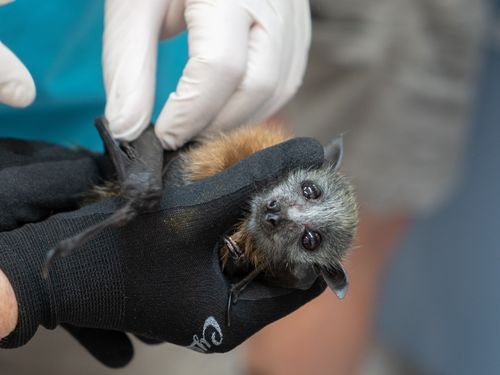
204,344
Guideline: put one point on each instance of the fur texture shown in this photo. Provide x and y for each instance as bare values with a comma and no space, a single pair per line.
333,214
215,153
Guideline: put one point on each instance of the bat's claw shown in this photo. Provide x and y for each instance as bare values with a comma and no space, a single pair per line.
228,312
234,293
234,250
236,289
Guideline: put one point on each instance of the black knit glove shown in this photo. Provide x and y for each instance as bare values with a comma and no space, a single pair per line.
40,179
159,276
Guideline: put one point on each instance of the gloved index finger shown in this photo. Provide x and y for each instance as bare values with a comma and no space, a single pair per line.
130,44
246,175
218,47
237,182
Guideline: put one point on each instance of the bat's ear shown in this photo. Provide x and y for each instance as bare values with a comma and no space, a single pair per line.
334,152
337,281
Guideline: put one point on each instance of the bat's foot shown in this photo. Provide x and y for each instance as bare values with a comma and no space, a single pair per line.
234,293
238,288
233,248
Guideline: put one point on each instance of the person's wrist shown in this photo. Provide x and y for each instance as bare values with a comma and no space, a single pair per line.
8,307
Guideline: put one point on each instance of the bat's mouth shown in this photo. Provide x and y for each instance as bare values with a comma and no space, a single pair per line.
265,228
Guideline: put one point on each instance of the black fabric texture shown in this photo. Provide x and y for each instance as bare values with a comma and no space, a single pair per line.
112,348
159,276
40,179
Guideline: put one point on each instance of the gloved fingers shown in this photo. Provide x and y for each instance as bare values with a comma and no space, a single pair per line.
275,161
130,43
261,79
274,308
218,47
17,87
295,56
250,316
112,348
174,22
278,49
232,187
41,179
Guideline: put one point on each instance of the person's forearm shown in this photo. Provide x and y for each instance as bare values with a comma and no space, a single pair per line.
8,307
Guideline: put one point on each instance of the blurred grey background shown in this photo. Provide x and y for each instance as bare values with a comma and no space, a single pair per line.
441,303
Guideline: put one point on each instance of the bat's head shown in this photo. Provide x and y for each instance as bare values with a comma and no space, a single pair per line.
308,218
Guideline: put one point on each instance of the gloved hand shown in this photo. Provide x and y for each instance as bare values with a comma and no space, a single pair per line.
17,88
40,179
246,59
159,276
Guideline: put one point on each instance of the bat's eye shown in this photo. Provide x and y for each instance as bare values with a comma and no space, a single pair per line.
310,190
311,240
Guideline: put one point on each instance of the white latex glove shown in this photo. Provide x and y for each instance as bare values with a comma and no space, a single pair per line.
246,60
17,88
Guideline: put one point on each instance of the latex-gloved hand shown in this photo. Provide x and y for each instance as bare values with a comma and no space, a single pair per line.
158,276
17,88
246,59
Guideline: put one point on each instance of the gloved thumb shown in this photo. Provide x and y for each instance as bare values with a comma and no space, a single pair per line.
17,88
112,348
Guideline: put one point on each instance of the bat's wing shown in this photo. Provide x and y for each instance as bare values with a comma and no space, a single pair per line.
138,166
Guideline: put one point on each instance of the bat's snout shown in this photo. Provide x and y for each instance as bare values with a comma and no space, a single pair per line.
272,214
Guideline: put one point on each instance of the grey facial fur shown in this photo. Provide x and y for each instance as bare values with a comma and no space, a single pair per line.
333,215
280,215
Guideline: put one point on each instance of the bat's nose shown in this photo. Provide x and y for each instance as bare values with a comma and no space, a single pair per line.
273,218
